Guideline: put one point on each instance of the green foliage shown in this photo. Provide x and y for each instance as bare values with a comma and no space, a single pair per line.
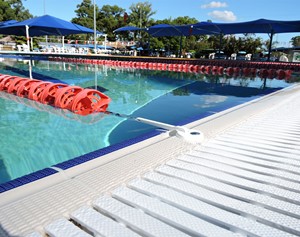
295,41
140,14
84,17
172,44
184,20
85,14
109,19
13,10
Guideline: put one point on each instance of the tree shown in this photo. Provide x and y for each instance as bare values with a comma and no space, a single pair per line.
140,15
184,20
173,43
295,41
85,17
251,44
109,19
13,10
85,14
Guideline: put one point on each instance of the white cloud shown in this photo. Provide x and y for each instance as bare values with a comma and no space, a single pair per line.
223,15
214,4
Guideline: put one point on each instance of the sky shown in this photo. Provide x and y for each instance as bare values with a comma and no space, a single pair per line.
203,10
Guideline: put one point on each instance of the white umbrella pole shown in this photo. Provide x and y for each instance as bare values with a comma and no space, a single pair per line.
27,36
95,35
30,69
63,44
31,43
46,41
96,78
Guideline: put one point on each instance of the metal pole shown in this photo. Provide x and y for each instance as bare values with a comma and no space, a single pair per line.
270,45
63,43
95,45
180,47
140,20
46,37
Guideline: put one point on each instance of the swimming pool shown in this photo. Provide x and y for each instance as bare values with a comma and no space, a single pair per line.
35,136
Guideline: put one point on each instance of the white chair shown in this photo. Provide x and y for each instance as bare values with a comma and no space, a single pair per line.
283,58
25,48
80,50
248,56
211,55
19,47
72,50
233,56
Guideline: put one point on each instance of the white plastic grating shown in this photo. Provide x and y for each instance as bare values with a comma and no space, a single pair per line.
62,228
138,220
100,224
34,234
206,211
169,214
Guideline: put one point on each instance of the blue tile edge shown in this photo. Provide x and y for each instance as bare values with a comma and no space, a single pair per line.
26,179
103,151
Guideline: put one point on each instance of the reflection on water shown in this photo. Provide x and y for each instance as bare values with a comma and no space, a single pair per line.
34,136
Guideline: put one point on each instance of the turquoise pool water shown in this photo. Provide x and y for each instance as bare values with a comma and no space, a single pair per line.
35,136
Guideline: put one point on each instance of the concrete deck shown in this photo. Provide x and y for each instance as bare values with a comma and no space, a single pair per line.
243,180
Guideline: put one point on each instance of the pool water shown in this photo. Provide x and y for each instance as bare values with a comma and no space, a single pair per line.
35,136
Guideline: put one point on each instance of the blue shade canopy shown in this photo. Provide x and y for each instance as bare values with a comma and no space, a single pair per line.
168,30
257,26
127,28
205,28
7,23
44,25
213,28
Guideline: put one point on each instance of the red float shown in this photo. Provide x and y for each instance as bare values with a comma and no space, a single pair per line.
263,73
208,69
271,73
236,70
24,87
202,68
36,90
5,82
48,96
64,96
89,101
280,74
2,77
15,84
221,70
229,71
246,71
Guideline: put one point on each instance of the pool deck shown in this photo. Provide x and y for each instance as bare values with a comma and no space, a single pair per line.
243,180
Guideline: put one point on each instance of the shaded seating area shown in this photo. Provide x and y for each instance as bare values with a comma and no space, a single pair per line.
42,26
